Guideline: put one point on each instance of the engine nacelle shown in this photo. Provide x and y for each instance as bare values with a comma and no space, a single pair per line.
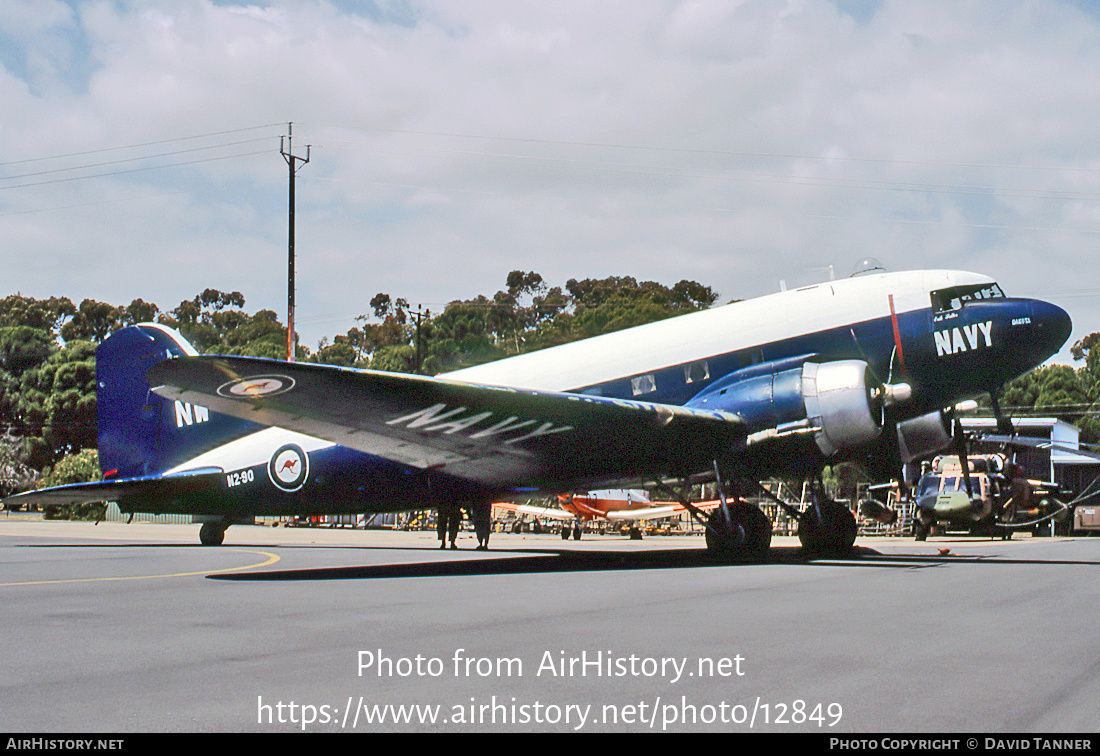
835,401
923,435
840,401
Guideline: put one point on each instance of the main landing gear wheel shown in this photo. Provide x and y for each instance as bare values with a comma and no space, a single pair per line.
827,529
746,538
212,533
577,532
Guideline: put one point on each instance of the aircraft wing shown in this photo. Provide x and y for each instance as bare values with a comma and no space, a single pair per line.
647,513
493,436
657,512
551,513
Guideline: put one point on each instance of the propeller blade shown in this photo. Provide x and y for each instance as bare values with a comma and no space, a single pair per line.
897,336
1004,423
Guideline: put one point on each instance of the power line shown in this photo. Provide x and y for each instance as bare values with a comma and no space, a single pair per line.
139,144
133,170
138,198
133,159
752,176
732,153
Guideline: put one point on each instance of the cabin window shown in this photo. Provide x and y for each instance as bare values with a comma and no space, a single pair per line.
643,384
956,296
696,372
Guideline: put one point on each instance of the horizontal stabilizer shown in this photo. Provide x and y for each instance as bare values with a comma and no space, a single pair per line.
126,491
494,436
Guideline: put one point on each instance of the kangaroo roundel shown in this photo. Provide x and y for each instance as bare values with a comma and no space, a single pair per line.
288,468
258,385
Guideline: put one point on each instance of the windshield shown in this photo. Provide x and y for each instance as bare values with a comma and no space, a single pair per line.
929,484
956,296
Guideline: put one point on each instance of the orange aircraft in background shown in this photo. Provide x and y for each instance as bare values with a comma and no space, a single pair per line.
614,506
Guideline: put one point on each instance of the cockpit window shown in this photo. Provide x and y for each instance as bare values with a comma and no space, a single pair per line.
955,297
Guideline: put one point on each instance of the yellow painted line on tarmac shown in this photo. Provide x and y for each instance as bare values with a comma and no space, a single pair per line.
271,559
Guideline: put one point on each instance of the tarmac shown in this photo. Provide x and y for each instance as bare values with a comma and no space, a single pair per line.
136,628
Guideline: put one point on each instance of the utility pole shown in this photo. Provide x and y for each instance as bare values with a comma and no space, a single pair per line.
286,149
418,316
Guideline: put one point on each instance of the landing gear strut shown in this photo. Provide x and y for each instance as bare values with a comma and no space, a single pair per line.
735,531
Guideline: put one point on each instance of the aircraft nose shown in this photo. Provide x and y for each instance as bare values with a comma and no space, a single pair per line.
1051,326
1030,332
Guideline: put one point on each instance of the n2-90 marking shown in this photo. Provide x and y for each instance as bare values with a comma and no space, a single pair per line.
239,478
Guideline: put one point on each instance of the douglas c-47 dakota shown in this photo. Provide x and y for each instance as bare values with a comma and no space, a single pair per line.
866,368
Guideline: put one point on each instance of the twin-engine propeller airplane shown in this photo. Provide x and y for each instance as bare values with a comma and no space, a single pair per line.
780,385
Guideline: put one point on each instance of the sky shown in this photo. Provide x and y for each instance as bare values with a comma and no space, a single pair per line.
738,144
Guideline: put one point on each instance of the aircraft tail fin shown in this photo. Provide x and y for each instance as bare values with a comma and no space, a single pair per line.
141,433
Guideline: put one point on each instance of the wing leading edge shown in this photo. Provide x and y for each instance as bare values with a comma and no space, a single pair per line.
494,436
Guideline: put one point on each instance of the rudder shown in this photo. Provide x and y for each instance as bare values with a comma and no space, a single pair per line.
141,433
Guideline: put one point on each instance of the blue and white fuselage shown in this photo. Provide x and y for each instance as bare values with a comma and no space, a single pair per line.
808,373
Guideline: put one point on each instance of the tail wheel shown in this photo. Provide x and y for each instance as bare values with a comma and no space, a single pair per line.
212,533
827,528
746,537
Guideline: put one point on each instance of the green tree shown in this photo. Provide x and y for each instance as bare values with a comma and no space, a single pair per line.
46,314
140,311
372,344
93,321
598,306
461,336
23,348
80,467
206,319
56,408
259,335
15,476
1056,391
340,354
399,358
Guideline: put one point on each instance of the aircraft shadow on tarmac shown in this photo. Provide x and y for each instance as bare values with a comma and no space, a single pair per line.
552,561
